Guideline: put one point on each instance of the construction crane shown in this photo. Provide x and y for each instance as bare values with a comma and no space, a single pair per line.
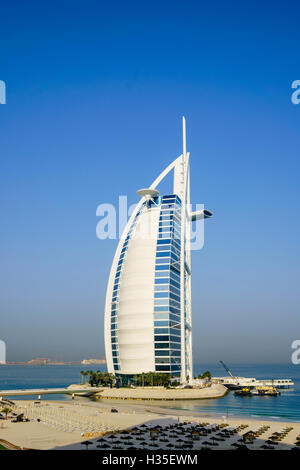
227,370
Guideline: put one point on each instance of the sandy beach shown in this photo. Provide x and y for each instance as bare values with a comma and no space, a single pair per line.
64,425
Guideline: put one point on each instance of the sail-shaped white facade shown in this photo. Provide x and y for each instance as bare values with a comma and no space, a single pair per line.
148,317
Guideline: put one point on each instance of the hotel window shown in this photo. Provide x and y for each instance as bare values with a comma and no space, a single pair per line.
162,281
175,353
160,261
161,309
158,331
163,254
161,346
162,288
161,338
161,323
161,302
161,267
163,368
162,353
163,242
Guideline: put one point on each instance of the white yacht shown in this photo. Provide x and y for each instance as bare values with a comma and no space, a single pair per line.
236,383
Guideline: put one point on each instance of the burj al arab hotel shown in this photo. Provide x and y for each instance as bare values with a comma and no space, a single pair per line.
148,315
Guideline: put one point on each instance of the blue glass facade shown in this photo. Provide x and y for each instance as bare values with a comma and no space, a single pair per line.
167,324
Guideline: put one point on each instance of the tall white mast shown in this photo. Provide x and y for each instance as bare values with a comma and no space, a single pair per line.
183,138
184,193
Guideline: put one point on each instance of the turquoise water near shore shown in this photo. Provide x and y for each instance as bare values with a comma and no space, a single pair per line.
286,407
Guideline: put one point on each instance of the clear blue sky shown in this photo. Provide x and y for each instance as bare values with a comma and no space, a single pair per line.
95,94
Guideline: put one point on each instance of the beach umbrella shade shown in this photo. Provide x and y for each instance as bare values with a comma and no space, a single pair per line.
101,440
243,448
87,444
112,436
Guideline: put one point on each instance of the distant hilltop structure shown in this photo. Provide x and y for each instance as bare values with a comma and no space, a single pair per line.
87,362
42,361
39,361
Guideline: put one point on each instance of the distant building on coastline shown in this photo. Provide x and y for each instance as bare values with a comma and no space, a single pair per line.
93,361
39,361
2,352
148,317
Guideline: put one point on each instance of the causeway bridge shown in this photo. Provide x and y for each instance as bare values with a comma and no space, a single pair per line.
83,391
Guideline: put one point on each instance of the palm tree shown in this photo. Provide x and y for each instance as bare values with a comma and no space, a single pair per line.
94,378
82,374
99,377
206,374
86,374
6,411
105,378
113,378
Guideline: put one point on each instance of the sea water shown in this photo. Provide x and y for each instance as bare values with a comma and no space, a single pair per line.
285,407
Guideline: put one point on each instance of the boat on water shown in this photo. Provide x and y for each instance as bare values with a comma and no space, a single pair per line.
238,383
258,391
244,392
265,391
